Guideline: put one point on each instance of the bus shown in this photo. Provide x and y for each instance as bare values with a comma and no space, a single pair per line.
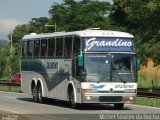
88,66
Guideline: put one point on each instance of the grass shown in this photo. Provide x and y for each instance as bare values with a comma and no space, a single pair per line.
10,89
7,78
146,82
148,101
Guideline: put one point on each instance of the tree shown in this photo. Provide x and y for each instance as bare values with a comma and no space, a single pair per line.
37,25
71,15
139,17
4,53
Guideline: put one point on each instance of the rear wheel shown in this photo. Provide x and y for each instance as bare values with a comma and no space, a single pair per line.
119,106
35,94
40,98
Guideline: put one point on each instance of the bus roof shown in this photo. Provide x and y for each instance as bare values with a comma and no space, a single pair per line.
83,33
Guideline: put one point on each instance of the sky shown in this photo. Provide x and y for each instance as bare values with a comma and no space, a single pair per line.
16,12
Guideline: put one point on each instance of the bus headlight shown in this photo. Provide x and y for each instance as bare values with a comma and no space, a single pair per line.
89,98
130,90
131,98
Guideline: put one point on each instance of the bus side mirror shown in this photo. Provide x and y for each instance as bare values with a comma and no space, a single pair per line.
138,62
80,59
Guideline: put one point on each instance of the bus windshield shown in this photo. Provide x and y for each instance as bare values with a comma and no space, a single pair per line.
109,68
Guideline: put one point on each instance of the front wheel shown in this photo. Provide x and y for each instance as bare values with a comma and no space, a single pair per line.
72,102
118,106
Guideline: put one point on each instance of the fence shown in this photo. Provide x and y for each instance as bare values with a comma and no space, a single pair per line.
151,95
9,85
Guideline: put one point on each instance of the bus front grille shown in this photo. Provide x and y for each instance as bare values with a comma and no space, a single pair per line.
110,98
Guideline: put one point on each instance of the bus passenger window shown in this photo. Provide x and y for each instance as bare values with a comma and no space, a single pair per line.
36,48
43,48
29,48
74,68
68,47
59,47
51,47
24,49
76,46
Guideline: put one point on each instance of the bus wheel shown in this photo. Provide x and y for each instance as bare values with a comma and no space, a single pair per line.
35,94
72,99
40,98
118,106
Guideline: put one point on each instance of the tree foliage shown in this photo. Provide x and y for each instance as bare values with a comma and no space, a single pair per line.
140,17
4,52
37,25
71,15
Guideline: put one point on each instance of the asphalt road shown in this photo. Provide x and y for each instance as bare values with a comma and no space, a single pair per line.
22,107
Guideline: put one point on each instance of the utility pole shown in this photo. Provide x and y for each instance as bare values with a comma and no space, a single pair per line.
10,70
11,43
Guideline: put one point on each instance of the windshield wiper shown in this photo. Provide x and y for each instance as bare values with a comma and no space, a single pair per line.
121,79
117,76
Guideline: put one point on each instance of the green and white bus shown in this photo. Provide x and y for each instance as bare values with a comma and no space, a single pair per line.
88,66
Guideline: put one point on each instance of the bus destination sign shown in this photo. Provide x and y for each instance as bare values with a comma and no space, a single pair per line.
109,44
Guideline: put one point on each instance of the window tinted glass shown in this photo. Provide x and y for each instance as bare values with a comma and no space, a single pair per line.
29,48
74,68
24,49
68,47
43,47
36,48
51,47
59,47
76,46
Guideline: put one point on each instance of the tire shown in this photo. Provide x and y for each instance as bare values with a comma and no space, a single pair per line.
40,98
119,106
72,102
35,94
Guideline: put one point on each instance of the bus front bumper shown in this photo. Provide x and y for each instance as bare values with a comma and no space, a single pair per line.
108,98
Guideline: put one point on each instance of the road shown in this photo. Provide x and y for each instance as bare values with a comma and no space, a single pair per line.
22,104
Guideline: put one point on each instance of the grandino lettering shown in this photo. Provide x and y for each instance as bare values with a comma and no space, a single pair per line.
111,43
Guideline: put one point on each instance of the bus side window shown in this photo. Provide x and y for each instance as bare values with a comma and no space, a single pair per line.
51,47
36,48
30,48
67,47
76,46
24,49
74,68
59,47
43,47
76,71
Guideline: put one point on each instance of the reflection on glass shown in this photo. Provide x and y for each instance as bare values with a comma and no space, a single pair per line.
122,68
109,68
97,67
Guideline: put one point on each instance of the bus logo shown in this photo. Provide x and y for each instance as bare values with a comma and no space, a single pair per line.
52,65
111,90
98,86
